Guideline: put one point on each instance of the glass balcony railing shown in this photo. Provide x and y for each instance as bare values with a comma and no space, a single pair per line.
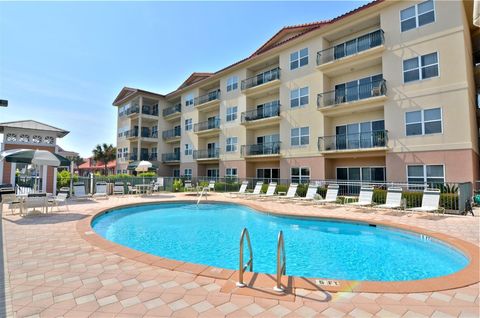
206,125
215,95
351,47
206,154
172,110
364,140
146,109
268,148
133,133
260,79
352,93
267,111
171,133
170,157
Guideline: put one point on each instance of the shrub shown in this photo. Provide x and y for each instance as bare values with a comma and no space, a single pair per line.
281,188
264,188
449,201
379,196
302,190
147,174
63,179
322,191
412,199
203,184
177,185
227,186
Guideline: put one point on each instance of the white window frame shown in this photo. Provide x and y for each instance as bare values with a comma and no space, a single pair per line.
425,177
229,173
422,121
420,67
416,16
298,58
232,83
232,144
299,136
300,177
188,150
298,91
188,124
233,113
189,100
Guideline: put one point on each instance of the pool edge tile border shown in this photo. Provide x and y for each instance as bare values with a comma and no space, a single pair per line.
465,277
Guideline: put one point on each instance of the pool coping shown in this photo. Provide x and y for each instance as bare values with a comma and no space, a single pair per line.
465,277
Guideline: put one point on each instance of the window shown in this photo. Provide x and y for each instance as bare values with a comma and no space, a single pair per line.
300,136
417,15
154,131
188,150
119,153
231,172
232,83
268,174
188,124
37,139
300,175
430,174
299,97
213,173
369,174
125,152
423,122
189,100
231,144
232,113
420,67
11,137
299,58
188,173
24,138
176,173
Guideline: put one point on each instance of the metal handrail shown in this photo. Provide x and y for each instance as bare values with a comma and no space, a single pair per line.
281,262
354,93
261,78
242,267
172,110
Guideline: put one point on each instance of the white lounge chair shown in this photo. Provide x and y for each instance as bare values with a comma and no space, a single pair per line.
331,195
188,186
33,201
430,201
119,188
365,197
211,185
131,189
291,192
60,199
243,188
101,190
272,186
256,190
310,195
79,192
394,199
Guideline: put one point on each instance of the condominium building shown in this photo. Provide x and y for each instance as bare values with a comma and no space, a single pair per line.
385,92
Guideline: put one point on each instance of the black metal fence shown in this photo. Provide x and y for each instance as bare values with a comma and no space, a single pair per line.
267,111
268,148
352,93
371,139
205,125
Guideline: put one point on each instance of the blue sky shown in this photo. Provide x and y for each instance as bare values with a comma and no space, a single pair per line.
63,63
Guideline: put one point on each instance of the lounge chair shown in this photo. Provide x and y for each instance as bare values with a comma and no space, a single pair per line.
101,190
430,201
291,192
119,188
242,189
331,195
79,192
256,190
60,199
272,186
310,195
211,185
131,189
394,199
365,197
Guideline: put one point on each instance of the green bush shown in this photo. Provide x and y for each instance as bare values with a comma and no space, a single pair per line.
322,191
147,174
281,188
412,199
379,196
227,186
302,190
264,188
449,201
203,184
177,185
63,179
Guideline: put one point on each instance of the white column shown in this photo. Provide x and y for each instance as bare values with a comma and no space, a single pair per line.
13,167
44,170
54,190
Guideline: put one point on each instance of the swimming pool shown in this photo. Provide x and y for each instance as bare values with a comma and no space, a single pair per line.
209,234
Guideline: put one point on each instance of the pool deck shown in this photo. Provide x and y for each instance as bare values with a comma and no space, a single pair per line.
56,267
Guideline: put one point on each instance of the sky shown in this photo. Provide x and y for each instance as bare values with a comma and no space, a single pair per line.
63,63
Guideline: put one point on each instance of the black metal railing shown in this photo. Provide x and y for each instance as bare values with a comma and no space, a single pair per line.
131,156
132,110
172,110
352,93
153,157
364,140
206,154
169,157
267,148
260,79
214,95
351,47
206,125
171,133
150,110
133,133
267,111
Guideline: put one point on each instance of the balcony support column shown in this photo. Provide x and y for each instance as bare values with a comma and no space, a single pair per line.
139,142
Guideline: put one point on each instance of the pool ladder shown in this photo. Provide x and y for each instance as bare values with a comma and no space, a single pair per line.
202,193
281,260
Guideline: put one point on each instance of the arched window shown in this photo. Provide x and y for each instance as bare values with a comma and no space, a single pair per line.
24,138
37,139
49,140
11,137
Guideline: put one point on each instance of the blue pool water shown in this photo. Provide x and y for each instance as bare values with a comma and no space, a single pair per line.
209,234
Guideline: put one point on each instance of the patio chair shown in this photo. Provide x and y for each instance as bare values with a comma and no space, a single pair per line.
79,192
12,201
331,195
32,201
131,189
60,199
119,188
211,185
272,186
365,197
394,199
291,192
242,189
256,190
310,195
188,187
101,190
430,202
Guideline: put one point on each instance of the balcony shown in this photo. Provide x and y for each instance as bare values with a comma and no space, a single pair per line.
363,97
268,149
172,112
130,156
262,116
146,134
172,135
358,142
359,52
207,101
146,110
207,128
264,81
206,154
172,157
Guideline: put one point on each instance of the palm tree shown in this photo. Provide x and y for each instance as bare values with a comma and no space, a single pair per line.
104,153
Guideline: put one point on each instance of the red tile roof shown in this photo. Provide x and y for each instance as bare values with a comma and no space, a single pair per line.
90,164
